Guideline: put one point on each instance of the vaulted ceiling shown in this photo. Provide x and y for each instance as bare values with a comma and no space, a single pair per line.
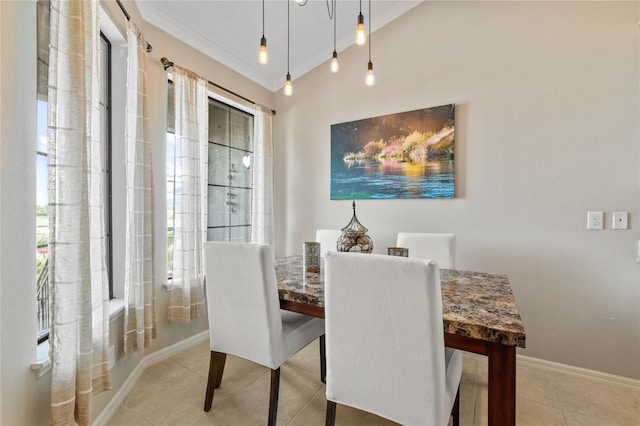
230,31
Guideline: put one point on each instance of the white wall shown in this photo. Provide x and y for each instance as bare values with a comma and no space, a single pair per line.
25,400
17,177
547,128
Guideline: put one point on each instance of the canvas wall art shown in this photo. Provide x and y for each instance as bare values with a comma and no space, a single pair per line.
404,155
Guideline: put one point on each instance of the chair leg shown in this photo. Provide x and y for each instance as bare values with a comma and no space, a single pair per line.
221,359
216,368
323,360
273,397
455,412
330,418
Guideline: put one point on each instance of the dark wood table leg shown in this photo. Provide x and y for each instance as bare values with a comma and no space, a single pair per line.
502,384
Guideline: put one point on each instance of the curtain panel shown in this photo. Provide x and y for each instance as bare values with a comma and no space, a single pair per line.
79,293
262,194
139,293
186,300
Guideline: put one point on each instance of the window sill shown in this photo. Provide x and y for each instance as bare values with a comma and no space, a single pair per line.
116,307
43,365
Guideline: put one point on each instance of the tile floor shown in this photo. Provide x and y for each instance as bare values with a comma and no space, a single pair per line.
172,393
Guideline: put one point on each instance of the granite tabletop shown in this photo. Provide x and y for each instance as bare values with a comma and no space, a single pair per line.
475,304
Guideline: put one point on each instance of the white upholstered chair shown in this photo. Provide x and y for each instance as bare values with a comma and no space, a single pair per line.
423,245
245,319
385,340
328,239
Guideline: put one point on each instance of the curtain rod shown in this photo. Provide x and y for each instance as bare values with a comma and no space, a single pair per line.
167,64
126,15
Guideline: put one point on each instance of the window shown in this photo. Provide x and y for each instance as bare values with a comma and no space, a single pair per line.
42,163
230,173
230,176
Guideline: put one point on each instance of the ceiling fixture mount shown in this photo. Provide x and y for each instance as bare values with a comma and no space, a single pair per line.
361,33
263,55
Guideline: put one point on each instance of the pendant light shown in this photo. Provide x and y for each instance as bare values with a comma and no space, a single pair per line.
361,34
288,88
263,55
370,78
334,58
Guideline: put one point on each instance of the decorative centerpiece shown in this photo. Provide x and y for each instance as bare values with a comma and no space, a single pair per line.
354,237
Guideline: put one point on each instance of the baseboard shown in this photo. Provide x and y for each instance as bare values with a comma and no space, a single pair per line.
112,407
578,371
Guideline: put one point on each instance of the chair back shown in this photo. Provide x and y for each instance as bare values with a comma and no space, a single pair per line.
384,337
328,239
422,245
242,302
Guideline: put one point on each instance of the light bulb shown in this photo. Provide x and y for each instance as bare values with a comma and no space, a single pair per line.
334,62
288,88
361,33
370,78
263,55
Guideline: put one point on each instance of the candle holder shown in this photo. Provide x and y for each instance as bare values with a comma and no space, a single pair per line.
398,251
311,256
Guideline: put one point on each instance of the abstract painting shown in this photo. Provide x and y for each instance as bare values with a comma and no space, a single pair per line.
403,155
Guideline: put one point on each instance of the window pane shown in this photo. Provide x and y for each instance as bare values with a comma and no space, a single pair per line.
240,168
218,124
171,140
241,207
240,128
171,116
218,234
218,165
42,178
240,233
218,214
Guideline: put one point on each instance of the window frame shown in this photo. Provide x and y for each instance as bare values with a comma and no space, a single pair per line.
231,186
109,161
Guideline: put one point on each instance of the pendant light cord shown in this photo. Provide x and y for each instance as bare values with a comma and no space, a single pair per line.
288,43
335,20
369,30
331,10
263,18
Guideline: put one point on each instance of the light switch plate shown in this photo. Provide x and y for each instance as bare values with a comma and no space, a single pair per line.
595,220
620,220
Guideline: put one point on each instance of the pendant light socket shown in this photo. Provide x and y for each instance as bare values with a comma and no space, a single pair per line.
288,87
334,62
361,33
263,55
370,78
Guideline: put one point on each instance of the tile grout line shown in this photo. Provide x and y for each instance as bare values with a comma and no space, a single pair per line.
305,405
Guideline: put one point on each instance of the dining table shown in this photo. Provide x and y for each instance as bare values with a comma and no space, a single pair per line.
479,312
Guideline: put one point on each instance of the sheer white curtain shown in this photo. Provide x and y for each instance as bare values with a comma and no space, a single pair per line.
262,194
77,263
139,295
190,195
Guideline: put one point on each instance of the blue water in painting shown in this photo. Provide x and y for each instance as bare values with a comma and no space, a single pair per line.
388,179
